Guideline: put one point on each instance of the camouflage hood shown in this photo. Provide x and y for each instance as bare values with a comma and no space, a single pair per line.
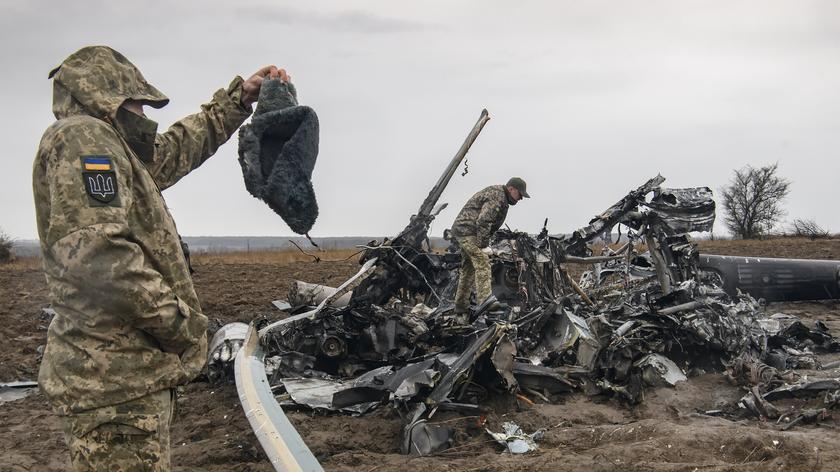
95,81
127,319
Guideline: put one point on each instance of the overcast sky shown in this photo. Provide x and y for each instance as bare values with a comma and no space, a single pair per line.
588,99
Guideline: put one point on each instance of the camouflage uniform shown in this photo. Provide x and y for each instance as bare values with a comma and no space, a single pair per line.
130,436
128,325
481,217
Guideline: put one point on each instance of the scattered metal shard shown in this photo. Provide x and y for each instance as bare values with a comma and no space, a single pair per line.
311,315
278,438
12,391
658,370
422,438
515,440
306,294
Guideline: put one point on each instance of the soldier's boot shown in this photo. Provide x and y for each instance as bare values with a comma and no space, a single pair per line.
497,306
462,319
491,304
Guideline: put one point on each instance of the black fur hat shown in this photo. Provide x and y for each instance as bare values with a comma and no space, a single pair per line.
277,152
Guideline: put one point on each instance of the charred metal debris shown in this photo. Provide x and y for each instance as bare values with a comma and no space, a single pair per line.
647,313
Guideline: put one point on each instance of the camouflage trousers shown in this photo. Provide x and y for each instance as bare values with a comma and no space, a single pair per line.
128,437
475,269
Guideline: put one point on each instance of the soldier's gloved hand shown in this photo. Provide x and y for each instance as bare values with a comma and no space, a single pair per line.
251,87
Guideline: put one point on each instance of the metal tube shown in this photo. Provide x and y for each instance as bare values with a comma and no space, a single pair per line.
658,264
431,200
278,438
590,260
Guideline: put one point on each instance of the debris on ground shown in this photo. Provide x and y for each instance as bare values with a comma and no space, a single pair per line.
515,440
12,391
647,314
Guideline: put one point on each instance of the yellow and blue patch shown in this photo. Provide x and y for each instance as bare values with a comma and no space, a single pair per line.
100,180
93,163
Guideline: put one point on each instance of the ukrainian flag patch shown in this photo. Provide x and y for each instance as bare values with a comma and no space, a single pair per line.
100,181
99,163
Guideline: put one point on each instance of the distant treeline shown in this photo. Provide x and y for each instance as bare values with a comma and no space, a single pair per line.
277,243
203,244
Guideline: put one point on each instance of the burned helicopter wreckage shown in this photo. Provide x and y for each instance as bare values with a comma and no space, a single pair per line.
650,312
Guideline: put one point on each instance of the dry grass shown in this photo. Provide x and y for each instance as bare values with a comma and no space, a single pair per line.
284,256
22,263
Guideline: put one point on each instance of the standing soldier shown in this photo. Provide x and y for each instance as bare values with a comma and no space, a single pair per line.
481,217
128,326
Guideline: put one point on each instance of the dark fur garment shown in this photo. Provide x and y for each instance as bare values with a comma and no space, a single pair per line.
277,152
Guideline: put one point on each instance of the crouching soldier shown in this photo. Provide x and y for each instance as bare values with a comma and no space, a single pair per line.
479,219
128,325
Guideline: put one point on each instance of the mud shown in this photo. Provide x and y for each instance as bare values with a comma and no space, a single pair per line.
666,432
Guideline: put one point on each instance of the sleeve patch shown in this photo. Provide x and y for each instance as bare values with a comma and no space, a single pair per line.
97,163
100,179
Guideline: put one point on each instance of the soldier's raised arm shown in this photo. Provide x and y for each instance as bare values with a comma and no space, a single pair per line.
192,140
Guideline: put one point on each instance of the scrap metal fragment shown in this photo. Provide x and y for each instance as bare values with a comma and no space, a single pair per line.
515,440
312,315
502,359
747,370
564,331
222,350
659,370
278,438
803,388
422,438
11,391
306,294
282,305
808,416
289,364
466,360
754,402
684,210
610,217
324,394
549,380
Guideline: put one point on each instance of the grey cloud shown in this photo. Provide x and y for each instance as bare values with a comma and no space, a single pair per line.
348,21
580,92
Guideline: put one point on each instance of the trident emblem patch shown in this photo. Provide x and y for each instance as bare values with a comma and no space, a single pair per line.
100,180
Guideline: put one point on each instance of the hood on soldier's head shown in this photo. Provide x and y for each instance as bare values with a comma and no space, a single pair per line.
96,80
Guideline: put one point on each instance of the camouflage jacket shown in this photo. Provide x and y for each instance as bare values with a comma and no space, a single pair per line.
482,215
128,321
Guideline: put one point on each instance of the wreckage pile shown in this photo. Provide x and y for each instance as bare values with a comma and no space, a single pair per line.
646,315
649,313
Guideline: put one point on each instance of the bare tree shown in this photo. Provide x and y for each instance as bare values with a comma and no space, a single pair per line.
6,244
808,229
752,201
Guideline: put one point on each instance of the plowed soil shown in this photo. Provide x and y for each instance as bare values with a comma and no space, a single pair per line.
666,432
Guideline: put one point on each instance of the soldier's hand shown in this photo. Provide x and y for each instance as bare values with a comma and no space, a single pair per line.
251,87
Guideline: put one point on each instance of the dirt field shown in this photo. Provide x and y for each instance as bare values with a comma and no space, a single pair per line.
667,432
